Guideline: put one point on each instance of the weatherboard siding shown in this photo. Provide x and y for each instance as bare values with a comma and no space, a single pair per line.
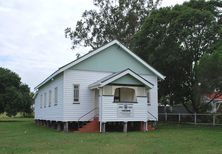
110,110
112,59
72,112
153,108
54,112
66,110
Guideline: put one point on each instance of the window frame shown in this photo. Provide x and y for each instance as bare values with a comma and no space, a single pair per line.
148,98
76,101
55,96
41,101
50,98
45,98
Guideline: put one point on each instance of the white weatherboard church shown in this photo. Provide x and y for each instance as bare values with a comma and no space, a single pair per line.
106,88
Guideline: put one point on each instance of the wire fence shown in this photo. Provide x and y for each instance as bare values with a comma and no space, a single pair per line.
192,118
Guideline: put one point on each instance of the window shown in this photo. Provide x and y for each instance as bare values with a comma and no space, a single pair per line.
76,93
50,97
44,100
56,95
41,101
148,98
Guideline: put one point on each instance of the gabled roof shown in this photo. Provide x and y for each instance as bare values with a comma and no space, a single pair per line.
86,56
110,78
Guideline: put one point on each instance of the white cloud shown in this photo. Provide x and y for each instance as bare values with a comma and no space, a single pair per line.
32,36
32,41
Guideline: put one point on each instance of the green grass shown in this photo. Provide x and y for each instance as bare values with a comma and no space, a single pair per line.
23,136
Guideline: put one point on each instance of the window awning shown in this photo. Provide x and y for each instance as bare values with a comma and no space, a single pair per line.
115,76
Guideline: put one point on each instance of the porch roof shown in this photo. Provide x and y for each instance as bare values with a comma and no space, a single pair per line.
115,76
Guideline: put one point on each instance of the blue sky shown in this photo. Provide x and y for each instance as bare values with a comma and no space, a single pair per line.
32,40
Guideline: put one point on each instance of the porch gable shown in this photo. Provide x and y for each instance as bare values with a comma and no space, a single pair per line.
127,80
124,77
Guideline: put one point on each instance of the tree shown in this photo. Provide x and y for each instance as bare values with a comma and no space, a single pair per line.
7,79
209,73
27,100
118,19
14,96
173,40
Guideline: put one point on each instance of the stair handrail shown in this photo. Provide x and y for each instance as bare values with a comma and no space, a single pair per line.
86,115
94,116
152,115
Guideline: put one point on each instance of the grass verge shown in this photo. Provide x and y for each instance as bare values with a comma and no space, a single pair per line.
19,135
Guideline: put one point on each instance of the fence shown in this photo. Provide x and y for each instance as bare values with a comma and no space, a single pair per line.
192,118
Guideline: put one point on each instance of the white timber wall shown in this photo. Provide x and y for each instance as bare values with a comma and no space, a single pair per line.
72,112
153,107
110,110
66,110
53,112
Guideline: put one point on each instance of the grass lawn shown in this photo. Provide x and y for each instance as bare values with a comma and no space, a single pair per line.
23,136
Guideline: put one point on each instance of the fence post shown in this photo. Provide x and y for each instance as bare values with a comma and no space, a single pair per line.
214,119
179,117
165,116
195,118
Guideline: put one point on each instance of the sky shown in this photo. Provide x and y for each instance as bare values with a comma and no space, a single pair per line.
32,40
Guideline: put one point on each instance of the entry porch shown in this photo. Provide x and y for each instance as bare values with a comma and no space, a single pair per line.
122,98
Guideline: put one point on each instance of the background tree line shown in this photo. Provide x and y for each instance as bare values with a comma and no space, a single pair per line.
182,42
15,97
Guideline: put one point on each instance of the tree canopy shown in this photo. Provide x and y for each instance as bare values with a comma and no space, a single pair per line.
209,72
118,19
173,40
14,96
